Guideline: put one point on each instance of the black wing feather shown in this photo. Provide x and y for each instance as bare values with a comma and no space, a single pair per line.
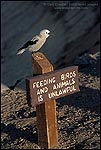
29,43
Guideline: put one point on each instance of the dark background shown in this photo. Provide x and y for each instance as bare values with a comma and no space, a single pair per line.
76,26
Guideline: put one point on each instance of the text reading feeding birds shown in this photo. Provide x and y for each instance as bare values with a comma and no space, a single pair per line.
54,85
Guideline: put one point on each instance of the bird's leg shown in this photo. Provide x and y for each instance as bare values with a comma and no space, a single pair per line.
38,57
34,53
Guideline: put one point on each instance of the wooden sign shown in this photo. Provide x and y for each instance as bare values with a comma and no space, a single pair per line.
53,85
42,90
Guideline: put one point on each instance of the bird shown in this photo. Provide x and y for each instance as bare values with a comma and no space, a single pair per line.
36,43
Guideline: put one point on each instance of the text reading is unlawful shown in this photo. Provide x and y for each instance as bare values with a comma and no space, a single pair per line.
52,85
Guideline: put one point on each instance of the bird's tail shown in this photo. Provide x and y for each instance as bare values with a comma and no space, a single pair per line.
21,51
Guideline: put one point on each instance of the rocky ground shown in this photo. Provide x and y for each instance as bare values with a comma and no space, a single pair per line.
78,115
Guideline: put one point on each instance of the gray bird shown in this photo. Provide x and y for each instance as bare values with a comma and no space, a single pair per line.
36,43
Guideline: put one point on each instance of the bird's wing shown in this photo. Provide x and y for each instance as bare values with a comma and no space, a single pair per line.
29,43
35,39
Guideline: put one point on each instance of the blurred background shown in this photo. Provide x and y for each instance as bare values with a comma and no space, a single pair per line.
76,26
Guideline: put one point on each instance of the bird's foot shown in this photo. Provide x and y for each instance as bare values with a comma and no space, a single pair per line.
38,57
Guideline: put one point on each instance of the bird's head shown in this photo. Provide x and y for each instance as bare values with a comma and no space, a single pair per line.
45,33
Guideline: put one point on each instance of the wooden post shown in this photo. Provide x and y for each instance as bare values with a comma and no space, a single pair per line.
45,112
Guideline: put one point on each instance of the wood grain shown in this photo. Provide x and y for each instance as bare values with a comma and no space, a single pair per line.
46,112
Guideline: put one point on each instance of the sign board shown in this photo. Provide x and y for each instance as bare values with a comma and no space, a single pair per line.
52,85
